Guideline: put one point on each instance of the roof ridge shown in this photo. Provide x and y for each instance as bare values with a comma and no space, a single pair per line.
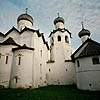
9,41
92,48
13,28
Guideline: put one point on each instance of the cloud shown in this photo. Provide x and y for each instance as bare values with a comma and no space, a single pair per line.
8,16
45,11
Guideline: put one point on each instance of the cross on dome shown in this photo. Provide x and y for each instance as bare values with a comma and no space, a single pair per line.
58,14
26,10
82,25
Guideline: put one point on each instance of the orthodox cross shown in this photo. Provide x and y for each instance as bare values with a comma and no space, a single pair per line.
26,10
58,14
82,25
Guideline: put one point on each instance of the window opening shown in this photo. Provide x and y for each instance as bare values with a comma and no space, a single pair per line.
95,61
78,63
59,38
19,61
66,39
6,59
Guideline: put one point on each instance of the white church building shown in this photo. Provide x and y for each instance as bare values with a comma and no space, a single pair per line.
25,63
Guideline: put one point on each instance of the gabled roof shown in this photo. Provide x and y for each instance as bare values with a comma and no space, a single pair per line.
22,47
12,29
61,30
38,33
1,34
25,29
91,49
9,41
46,43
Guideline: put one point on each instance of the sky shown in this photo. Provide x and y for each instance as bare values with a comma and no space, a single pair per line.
45,11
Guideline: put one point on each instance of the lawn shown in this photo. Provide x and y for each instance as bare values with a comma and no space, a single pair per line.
48,93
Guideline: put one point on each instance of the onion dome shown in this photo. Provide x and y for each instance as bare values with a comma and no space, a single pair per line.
25,17
59,19
84,32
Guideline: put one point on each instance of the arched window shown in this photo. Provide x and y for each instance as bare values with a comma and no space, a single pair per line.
66,39
59,38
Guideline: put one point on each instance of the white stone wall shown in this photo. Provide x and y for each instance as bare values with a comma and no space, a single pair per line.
62,73
40,59
88,74
25,38
23,72
5,68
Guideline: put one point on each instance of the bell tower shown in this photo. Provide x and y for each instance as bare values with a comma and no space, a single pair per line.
60,44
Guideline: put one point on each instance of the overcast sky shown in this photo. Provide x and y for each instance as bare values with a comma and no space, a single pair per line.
45,11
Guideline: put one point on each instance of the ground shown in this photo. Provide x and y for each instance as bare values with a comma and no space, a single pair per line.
48,93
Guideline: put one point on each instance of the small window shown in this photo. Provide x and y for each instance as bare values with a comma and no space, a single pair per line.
59,38
6,59
41,53
16,79
95,61
52,39
0,55
78,63
52,43
49,70
66,39
19,61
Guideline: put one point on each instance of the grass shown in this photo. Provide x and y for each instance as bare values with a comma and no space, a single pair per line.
48,93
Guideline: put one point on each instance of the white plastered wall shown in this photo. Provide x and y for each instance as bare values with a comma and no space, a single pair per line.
23,72
5,68
87,74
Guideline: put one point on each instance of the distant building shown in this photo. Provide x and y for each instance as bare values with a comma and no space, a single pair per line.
24,59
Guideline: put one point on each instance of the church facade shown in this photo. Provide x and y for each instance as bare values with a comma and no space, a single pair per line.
24,61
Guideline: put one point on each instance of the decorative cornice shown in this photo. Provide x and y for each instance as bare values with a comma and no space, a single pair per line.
61,30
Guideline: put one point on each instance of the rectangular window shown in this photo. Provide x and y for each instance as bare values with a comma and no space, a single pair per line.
41,53
95,61
15,80
19,61
78,63
0,55
40,68
6,59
